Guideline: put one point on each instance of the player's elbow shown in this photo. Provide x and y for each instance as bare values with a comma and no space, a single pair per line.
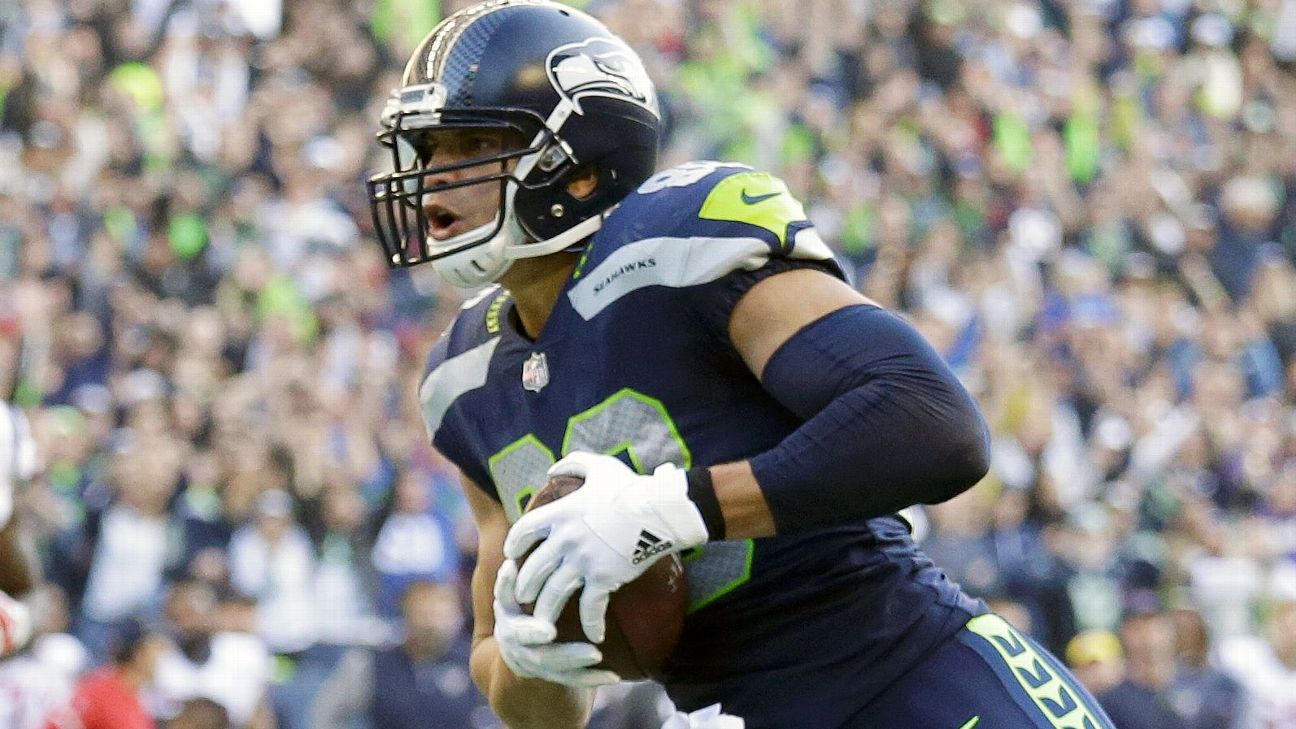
962,457
515,717
527,710
526,703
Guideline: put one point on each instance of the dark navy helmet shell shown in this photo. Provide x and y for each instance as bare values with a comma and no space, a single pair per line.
573,95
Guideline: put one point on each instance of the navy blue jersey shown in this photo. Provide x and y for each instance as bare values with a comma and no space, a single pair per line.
635,361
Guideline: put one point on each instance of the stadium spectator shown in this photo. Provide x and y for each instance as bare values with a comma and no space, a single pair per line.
1142,698
1098,660
112,697
422,681
1265,666
271,561
413,543
200,714
1202,693
229,667
131,550
344,576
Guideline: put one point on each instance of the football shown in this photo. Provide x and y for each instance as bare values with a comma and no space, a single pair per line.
644,618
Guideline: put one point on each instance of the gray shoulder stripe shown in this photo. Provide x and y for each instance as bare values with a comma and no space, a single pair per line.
666,261
454,377
678,263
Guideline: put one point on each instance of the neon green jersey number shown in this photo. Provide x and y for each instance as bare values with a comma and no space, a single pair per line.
637,425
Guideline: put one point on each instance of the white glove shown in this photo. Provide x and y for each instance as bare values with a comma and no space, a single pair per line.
15,625
708,718
526,642
601,536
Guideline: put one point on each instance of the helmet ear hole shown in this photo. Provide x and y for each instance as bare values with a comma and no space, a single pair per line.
584,182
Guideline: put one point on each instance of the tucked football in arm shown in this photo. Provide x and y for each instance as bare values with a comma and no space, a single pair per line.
644,618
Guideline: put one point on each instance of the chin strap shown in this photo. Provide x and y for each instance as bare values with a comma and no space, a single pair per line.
563,240
485,263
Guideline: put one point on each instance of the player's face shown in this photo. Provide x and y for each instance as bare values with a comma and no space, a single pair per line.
460,209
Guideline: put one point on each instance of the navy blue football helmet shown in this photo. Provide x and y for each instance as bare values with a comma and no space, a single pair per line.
569,94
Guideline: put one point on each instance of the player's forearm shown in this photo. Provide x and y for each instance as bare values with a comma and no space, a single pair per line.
527,703
743,512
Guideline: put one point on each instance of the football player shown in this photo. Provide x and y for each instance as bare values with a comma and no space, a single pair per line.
684,342
17,463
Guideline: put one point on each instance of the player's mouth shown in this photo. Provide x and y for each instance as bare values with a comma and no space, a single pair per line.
442,222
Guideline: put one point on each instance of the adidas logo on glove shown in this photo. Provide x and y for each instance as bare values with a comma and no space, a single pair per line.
649,546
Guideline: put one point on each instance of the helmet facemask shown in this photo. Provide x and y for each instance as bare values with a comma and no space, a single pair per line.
574,103
437,160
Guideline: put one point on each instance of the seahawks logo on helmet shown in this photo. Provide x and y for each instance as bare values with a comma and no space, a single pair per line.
600,67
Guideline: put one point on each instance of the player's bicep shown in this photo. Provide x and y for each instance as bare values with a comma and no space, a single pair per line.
778,307
492,526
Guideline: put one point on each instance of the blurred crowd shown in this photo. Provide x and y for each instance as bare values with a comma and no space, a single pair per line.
1089,206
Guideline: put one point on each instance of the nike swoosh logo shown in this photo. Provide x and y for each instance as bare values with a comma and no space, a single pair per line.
971,722
759,198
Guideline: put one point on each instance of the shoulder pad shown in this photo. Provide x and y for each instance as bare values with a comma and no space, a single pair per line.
691,225
720,198
690,176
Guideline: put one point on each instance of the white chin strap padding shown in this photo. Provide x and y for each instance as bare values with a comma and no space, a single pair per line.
480,264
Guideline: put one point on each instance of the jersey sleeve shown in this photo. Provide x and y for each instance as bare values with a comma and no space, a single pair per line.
708,229
453,368
759,206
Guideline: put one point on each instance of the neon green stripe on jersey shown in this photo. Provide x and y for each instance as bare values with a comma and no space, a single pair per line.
518,470
756,198
1054,696
493,322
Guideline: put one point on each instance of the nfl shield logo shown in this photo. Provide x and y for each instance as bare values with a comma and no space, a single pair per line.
535,372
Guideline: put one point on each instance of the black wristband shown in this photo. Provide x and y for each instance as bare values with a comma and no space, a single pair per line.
702,493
